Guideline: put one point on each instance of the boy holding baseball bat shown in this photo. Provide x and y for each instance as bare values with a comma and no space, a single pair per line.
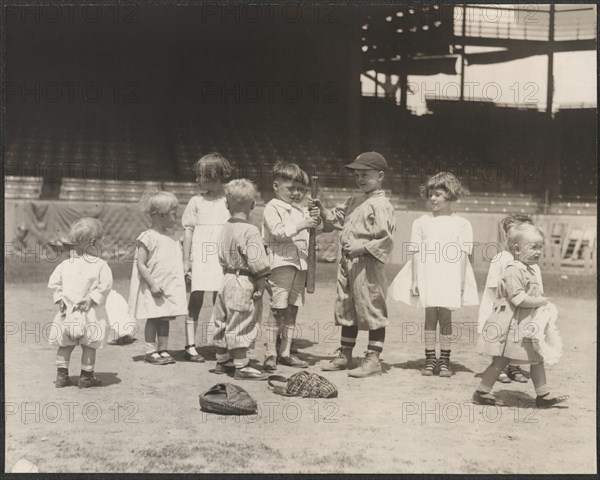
367,223
286,227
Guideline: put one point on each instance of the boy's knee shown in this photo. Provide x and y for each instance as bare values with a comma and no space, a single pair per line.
291,314
279,314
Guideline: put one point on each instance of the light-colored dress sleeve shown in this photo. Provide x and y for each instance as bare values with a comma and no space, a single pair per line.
55,283
253,251
188,219
383,224
465,237
147,240
416,236
105,281
281,226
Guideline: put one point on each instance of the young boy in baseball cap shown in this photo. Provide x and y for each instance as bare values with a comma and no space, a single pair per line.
367,223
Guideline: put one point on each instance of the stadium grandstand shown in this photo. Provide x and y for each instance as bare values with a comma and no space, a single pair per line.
99,109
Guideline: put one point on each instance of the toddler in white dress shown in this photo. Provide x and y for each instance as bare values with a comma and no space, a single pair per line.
157,291
497,266
80,286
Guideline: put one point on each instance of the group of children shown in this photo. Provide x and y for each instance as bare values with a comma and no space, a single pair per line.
225,254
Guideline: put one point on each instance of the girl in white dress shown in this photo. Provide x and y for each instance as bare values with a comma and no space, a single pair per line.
203,221
439,276
157,291
80,286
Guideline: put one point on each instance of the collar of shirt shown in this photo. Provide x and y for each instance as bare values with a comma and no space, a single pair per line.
522,266
375,193
286,206
237,220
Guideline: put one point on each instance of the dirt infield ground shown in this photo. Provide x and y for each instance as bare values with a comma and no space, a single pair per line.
147,419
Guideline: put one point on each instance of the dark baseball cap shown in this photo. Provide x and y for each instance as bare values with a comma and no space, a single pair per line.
369,161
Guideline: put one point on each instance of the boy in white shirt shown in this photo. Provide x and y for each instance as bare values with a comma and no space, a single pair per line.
285,232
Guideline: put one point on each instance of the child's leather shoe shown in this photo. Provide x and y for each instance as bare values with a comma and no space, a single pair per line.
249,373
342,362
370,365
88,381
270,363
62,378
224,368
293,361
543,402
482,398
155,359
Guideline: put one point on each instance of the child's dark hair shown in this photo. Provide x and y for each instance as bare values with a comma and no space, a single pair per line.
515,219
290,172
444,181
213,166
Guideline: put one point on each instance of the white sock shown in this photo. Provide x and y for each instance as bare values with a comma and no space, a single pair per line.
192,350
484,388
286,340
541,391
241,362
150,348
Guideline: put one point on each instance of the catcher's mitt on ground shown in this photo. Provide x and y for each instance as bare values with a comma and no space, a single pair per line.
228,399
303,384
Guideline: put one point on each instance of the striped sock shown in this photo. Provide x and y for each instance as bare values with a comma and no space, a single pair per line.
430,360
376,339
430,340
349,335
62,364
445,342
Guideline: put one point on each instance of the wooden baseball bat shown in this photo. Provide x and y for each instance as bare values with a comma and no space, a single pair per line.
312,243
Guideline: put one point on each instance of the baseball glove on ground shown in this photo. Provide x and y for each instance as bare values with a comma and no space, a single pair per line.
228,399
303,384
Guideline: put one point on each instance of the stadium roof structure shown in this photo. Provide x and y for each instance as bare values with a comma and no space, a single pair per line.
427,39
